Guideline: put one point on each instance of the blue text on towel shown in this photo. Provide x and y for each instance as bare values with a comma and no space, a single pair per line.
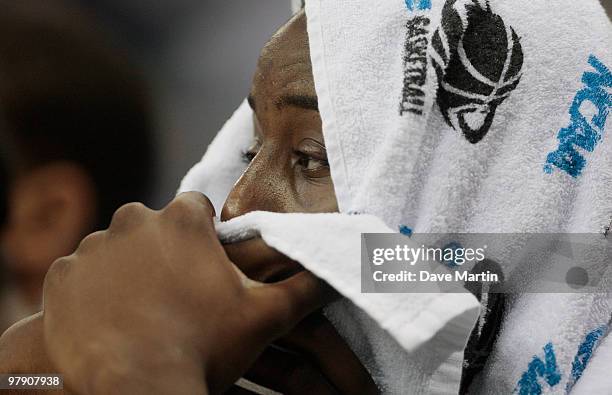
582,132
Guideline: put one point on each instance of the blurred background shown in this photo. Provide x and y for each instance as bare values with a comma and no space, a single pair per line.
199,56
103,102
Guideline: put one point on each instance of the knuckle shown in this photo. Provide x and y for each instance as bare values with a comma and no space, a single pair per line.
180,210
57,272
200,199
90,242
186,212
128,214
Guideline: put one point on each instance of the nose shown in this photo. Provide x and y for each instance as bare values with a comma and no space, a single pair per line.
263,186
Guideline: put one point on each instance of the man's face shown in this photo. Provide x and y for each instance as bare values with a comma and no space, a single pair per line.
288,169
288,172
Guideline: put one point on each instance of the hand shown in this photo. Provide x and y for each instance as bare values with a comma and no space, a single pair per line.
154,305
22,351
312,358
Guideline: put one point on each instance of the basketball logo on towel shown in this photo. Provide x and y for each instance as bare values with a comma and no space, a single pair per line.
478,60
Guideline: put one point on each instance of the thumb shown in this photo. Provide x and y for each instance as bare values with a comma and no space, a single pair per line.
278,307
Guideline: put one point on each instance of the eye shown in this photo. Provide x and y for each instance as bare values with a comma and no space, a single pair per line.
311,159
249,154
308,163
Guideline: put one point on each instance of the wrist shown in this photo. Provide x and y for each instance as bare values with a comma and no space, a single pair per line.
151,378
179,379
129,368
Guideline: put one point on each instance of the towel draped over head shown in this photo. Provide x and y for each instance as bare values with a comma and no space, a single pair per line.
449,116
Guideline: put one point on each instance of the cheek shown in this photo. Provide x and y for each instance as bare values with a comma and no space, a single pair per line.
272,184
316,196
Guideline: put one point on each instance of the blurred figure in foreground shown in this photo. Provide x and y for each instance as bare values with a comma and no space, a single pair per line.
77,117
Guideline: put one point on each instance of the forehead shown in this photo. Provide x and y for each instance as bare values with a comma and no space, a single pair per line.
284,66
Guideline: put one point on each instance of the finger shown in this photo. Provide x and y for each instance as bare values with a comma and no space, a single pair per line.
199,198
288,373
21,348
261,262
316,338
128,215
22,352
91,242
280,306
191,210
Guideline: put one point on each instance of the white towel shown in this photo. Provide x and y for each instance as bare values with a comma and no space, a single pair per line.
454,116
477,116
390,333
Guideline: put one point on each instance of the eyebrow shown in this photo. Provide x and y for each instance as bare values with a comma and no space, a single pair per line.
302,101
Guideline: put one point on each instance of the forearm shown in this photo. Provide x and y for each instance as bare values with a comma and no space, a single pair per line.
183,380
127,364
22,351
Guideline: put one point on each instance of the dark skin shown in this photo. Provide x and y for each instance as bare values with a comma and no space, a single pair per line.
154,303
289,172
